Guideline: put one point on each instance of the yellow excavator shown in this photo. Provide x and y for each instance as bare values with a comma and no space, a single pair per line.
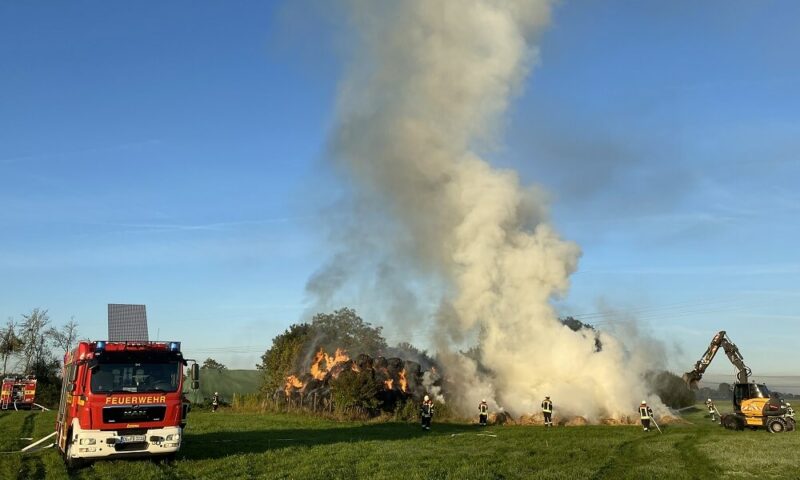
753,404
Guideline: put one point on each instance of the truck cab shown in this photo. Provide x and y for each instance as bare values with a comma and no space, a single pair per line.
122,399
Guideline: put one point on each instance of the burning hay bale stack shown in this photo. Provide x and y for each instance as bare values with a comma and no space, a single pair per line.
397,380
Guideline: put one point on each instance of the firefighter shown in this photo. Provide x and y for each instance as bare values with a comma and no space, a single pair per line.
426,412
483,412
789,410
645,413
711,409
215,402
547,409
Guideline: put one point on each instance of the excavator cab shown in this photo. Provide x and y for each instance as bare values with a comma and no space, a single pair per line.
746,391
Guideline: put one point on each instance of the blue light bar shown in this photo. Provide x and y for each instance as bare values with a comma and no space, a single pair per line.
100,346
174,346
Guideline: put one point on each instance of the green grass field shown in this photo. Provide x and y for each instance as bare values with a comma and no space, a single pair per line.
225,382
229,445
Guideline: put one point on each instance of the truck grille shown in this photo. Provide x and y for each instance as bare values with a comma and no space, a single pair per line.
135,413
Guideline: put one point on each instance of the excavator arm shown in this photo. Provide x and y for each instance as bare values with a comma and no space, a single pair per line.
730,349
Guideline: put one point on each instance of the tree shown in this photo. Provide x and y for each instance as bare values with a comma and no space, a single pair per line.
279,361
10,343
212,364
724,390
34,338
48,380
576,326
345,329
63,338
671,389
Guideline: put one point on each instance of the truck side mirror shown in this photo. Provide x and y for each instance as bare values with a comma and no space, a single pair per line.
195,374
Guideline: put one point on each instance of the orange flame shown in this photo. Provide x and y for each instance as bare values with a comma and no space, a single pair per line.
389,384
323,363
402,379
292,382
320,366
317,370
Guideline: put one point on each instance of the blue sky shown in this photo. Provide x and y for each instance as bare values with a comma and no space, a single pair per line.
173,154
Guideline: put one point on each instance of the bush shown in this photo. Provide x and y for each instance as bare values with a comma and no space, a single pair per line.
354,390
407,411
249,402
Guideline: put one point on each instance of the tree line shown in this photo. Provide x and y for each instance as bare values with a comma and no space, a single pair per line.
34,345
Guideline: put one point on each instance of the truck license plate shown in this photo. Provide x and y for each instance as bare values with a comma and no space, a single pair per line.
131,439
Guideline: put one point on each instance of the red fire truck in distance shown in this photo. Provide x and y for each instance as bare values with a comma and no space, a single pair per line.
18,392
122,399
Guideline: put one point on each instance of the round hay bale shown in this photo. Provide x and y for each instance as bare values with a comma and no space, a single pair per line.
535,419
500,418
671,420
622,420
576,422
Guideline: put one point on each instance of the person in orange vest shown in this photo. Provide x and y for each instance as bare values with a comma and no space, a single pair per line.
483,412
426,412
645,414
547,409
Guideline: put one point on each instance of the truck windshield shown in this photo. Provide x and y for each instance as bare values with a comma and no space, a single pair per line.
135,377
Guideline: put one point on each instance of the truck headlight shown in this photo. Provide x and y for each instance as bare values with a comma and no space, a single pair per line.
173,437
88,441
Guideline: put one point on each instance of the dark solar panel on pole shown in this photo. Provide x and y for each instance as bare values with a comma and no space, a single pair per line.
127,323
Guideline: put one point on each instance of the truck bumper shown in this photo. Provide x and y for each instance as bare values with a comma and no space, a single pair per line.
104,443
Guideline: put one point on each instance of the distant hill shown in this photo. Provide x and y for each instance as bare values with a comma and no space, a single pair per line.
226,382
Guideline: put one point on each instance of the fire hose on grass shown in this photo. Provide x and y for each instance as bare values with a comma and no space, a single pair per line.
29,448
656,424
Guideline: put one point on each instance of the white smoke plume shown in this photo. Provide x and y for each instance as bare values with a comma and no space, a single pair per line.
421,103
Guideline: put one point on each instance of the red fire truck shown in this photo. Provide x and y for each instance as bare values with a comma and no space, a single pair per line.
18,392
122,399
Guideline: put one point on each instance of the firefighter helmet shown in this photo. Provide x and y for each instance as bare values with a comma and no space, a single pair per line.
426,398
644,402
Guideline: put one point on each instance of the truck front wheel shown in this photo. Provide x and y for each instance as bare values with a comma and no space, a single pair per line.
71,462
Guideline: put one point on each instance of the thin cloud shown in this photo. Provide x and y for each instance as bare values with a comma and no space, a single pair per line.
743,269
105,149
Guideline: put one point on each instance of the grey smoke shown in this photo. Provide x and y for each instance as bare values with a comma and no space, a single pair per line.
435,222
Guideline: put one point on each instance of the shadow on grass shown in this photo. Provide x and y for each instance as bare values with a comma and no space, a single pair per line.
220,444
